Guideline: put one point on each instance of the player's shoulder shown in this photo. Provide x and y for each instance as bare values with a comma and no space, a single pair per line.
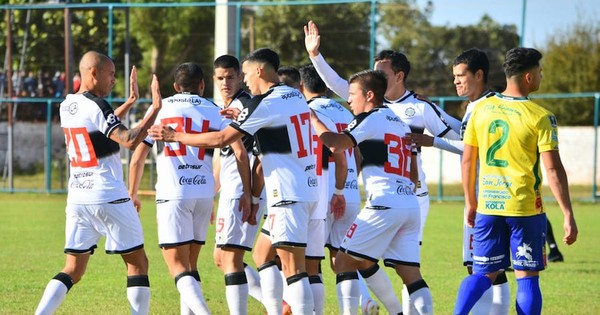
377,113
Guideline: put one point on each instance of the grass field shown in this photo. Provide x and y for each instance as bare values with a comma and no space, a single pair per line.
32,238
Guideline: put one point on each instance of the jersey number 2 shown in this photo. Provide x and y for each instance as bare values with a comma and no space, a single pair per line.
491,152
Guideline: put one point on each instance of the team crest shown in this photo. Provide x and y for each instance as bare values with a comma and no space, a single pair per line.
73,108
409,112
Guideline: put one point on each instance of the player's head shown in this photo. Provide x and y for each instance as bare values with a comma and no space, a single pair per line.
395,65
227,76
470,71
522,66
97,73
260,70
366,90
311,81
290,76
189,78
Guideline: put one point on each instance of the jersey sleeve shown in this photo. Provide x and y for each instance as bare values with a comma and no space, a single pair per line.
547,133
253,117
454,146
357,131
439,123
105,120
470,137
333,81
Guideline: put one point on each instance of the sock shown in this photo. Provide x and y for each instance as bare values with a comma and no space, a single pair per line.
55,292
271,288
347,292
138,294
408,307
501,296
253,283
529,296
299,294
365,295
236,291
421,297
470,290
318,293
381,286
484,305
191,292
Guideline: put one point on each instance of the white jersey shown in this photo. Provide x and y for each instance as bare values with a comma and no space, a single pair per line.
231,183
185,172
385,159
341,117
96,172
323,170
279,120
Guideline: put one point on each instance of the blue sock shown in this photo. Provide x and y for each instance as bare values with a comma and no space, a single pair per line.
471,289
529,296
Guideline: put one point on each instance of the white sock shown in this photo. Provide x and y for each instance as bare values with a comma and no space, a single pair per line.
408,308
318,293
191,293
53,296
501,299
236,291
381,286
348,292
365,295
271,288
484,304
138,294
253,283
299,294
420,297
183,308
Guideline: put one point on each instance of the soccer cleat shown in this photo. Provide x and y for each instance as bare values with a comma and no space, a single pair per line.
555,256
370,308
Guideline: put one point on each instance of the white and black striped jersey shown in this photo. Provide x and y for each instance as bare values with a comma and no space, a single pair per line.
341,117
185,172
231,183
323,169
280,122
96,172
385,158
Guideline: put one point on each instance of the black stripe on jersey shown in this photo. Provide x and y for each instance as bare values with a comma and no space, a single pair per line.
248,110
358,120
439,114
374,152
109,114
273,140
244,97
325,155
103,146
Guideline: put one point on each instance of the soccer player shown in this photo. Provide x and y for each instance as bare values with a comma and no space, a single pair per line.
233,236
97,202
470,72
290,76
279,119
315,90
511,134
419,115
186,187
388,226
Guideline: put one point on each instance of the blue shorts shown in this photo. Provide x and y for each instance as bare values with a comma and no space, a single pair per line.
496,239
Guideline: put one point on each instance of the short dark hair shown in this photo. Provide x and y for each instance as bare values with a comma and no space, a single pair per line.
188,76
398,59
311,80
475,59
227,61
371,80
289,75
521,59
264,55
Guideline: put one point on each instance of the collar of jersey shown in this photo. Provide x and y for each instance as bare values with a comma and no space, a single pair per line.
316,97
512,98
401,99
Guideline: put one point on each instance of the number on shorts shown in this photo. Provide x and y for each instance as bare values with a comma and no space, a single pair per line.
79,140
299,121
220,224
350,231
491,152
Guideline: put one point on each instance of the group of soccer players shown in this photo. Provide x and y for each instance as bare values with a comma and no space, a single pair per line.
289,151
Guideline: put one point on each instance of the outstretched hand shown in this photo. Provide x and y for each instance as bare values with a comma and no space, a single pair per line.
312,39
162,133
134,93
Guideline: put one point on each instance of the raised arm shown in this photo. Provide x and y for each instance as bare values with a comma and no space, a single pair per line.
557,180
312,41
134,95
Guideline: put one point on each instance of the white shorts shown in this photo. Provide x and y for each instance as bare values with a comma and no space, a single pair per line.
288,224
315,248
183,221
391,234
230,230
118,222
467,245
336,229
424,209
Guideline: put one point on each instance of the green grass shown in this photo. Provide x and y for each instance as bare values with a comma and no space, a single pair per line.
32,238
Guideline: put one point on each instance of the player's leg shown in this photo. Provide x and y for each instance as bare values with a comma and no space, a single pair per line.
554,255
527,246
501,295
424,205
315,253
270,278
236,283
138,285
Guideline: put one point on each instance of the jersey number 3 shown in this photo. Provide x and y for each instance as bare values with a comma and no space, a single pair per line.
397,147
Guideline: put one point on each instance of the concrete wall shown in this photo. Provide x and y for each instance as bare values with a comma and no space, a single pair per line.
29,144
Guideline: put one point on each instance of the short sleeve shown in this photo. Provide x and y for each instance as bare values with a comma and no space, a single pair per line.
470,136
253,117
547,134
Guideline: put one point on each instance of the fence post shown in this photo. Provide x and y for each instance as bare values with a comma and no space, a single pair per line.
596,112
48,155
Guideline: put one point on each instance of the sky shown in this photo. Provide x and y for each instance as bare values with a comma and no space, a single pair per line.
543,17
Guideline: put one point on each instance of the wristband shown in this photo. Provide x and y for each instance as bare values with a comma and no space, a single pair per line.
255,200
339,192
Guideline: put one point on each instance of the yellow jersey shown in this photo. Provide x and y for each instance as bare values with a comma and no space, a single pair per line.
509,134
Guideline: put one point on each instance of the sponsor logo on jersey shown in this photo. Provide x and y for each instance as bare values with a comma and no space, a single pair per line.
73,108
86,184
409,112
189,166
191,100
494,205
312,182
291,94
309,167
392,118
332,105
404,190
192,181
84,174
351,185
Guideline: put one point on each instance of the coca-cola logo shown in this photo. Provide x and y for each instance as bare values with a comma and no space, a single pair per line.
352,184
312,182
196,180
86,184
404,190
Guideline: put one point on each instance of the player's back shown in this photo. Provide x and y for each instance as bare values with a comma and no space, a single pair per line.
96,171
186,171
